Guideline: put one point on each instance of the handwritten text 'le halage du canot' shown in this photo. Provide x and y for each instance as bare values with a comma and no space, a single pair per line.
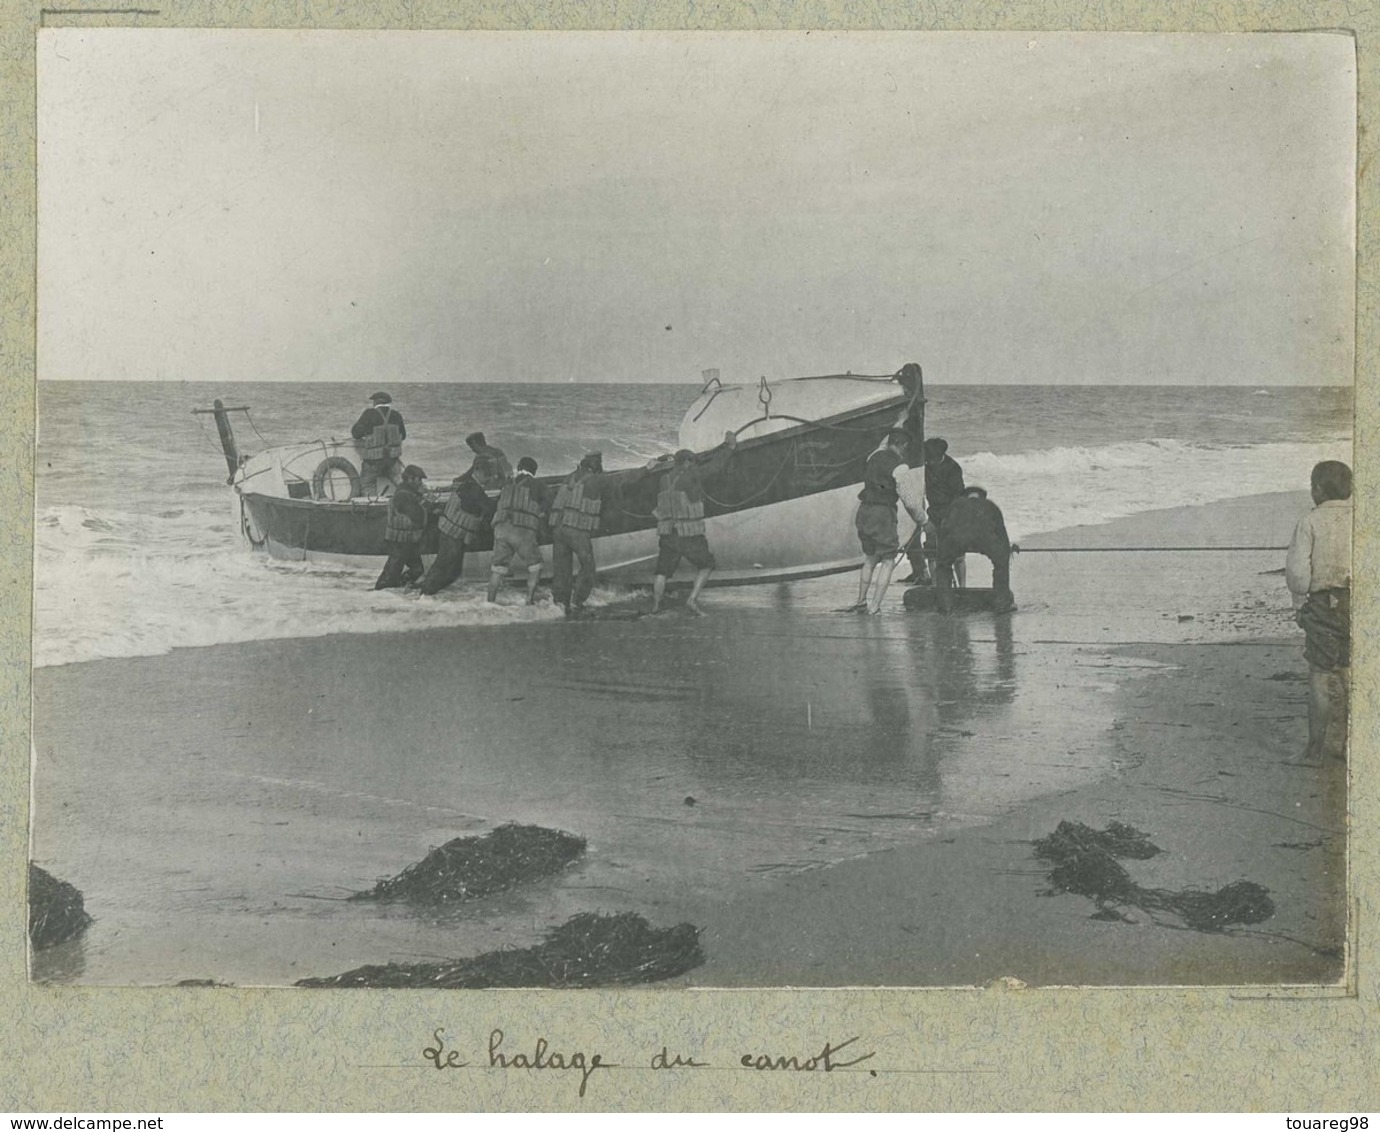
540,1055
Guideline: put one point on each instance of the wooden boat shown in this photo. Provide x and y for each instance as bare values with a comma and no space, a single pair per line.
782,508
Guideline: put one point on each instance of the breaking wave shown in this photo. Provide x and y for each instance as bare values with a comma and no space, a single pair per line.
1049,489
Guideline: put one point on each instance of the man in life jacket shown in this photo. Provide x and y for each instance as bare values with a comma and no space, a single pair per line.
381,429
518,517
680,518
406,525
483,450
876,518
461,525
943,484
574,522
973,524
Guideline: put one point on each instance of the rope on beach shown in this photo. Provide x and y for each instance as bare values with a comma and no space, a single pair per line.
588,950
1084,863
1144,549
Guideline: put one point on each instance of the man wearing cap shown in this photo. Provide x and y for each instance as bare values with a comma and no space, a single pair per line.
485,451
680,518
518,517
574,522
461,525
876,518
382,431
403,536
943,485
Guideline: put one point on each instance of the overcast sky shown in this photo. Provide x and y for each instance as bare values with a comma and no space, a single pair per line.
237,206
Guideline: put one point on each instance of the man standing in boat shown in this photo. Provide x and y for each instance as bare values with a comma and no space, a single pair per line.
574,522
461,525
521,508
876,518
680,518
406,525
381,429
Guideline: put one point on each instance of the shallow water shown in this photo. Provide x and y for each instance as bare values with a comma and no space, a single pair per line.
216,805
137,549
697,757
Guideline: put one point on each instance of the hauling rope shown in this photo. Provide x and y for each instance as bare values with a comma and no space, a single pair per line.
1085,864
1143,549
588,950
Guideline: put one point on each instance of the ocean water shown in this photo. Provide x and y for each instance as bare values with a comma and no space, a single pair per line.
136,543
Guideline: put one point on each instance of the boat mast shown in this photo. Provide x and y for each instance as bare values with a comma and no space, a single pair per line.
227,434
912,379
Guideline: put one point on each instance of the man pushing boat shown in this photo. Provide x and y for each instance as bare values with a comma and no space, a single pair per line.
403,535
518,517
574,522
461,525
680,518
876,518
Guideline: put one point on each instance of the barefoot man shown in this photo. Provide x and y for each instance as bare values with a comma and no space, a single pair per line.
876,519
517,518
1318,572
680,519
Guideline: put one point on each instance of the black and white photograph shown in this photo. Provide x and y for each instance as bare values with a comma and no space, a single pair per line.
692,510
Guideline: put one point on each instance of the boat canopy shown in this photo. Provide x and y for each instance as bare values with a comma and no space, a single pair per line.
766,407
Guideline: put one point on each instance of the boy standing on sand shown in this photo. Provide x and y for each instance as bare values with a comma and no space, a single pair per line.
1318,572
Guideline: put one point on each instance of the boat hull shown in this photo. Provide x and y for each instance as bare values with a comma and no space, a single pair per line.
799,538
781,508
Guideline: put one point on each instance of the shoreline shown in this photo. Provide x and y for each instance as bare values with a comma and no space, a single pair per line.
774,755
1272,514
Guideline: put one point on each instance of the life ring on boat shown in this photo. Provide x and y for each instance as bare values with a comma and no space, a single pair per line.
323,471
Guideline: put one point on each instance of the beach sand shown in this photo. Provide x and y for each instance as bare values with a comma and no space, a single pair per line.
835,800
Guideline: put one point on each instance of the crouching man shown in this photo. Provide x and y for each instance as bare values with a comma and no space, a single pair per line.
403,535
462,524
974,525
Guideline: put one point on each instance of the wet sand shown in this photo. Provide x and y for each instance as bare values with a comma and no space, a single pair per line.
836,800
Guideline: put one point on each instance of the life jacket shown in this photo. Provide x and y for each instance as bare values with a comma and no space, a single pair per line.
385,441
879,478
457,523
518,505
676,512
556,517
574,509
400,527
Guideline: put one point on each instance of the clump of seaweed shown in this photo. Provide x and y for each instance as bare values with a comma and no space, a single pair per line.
56,910
1073,838
467,868
1084,863
588,950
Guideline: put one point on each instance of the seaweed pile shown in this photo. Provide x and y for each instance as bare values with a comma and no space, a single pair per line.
467,868
588,950
56,910
1085,863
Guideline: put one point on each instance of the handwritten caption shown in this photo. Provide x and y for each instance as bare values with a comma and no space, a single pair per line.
540,1056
